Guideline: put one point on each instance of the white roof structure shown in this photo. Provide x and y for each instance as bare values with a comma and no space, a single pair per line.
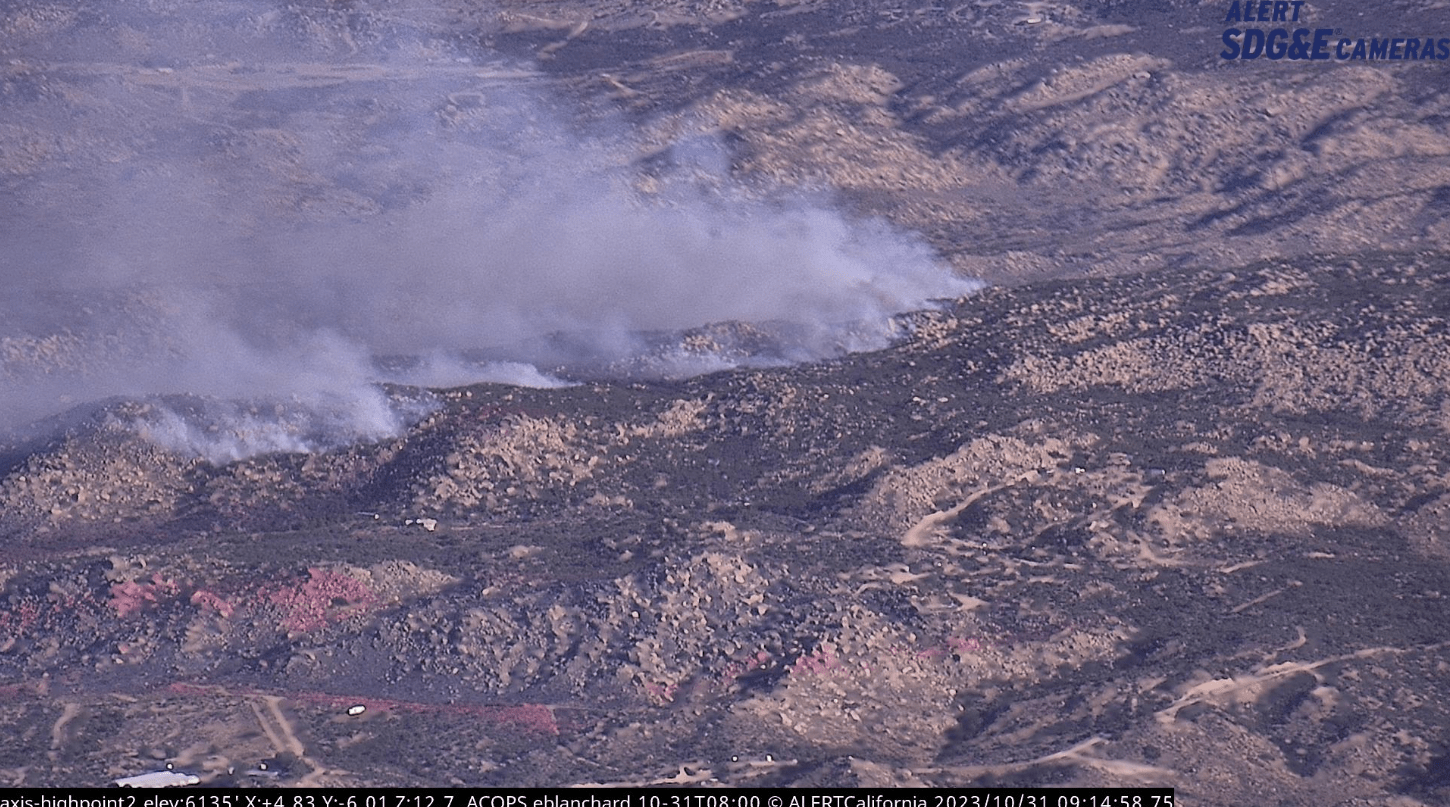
159,779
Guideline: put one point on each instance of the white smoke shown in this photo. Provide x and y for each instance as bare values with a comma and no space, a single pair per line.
268,246
442,370
227,430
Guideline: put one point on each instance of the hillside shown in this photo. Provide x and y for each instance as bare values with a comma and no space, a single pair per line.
1165,502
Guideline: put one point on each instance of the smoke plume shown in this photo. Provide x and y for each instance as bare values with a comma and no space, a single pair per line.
276,231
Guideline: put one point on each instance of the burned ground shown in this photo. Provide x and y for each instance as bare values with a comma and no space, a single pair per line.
1165,504
1091,515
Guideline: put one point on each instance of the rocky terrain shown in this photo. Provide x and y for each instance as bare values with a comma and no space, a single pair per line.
1165,504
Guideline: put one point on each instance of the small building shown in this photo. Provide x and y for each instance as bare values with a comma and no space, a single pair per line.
159,779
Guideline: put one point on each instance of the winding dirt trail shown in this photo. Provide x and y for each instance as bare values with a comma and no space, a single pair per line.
57,731
282,734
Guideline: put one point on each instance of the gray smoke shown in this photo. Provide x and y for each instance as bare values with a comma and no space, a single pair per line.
280,245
